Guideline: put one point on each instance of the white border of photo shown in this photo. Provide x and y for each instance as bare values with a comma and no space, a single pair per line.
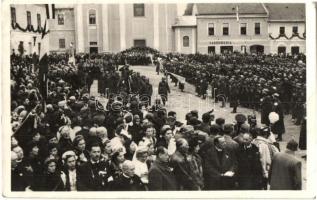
309,193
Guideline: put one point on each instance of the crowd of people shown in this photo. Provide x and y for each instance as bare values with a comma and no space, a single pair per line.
74,143
246,79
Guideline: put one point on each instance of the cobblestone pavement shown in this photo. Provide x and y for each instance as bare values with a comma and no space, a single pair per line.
183,102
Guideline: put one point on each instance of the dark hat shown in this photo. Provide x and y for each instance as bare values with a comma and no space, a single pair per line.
292,145
187,129
194,121
194,113
240,118
128,118
228,128
245,128
220,121
215,129
170,120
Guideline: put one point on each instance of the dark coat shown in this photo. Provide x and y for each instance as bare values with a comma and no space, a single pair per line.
285,173
278,127
266,109
137,133
249,171
183,173
161,177
163,88
231,145
205,127
213,168
93,177
127,184
234,96
21,177
51,182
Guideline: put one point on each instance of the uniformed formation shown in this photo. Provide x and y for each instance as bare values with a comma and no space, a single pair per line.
74,143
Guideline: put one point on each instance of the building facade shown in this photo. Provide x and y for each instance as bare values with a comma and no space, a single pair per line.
116,27
246,28
287,28
62,30
25,22
203,28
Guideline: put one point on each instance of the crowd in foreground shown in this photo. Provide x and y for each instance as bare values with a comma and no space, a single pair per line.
73,143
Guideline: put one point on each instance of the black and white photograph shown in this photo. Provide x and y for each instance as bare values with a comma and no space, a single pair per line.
157,97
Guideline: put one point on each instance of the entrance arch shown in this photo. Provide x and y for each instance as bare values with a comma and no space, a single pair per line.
257,49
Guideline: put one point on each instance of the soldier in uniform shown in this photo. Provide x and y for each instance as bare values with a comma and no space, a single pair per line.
266,107
204,86
163,90
234,101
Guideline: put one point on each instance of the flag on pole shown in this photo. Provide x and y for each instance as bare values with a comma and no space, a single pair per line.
237,12
50,11
44,51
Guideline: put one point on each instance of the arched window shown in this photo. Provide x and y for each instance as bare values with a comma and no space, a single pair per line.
92,17
185,41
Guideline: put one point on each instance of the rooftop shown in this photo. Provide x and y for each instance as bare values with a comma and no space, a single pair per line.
225,8
286,12
185,21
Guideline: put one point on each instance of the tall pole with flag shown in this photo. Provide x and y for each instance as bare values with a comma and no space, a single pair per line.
44,52
237,13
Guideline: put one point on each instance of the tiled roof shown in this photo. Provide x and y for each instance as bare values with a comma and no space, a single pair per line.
229,8
185,21
286,12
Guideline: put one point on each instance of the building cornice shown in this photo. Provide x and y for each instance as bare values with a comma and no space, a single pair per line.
184,26
226,16
285,21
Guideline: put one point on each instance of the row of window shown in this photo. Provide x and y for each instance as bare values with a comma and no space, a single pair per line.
136,43
225,29
243,29
28,17
294,30
138,10
92,18
253,49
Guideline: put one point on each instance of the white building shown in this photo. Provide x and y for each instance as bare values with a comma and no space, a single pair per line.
204,28
62,29
243,27
287,28
25,20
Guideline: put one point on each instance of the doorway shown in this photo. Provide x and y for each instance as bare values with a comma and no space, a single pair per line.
226,49
93,50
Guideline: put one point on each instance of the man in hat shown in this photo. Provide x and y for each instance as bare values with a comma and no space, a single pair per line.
233,92
266,107
278,127
285,173
163,90
205,125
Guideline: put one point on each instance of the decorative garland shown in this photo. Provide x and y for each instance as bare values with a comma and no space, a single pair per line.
288,38
30,28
